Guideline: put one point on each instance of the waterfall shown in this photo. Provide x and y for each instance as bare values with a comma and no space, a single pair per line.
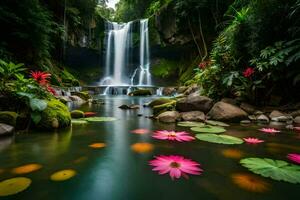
145,76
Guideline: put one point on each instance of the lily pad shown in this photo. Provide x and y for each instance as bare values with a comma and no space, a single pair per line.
14,186
219,139
63,175
209,129
191,124
79,121
25,169
216,123
276,169
100,119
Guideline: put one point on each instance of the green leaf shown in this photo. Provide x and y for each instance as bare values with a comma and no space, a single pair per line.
38,104
209,129
36,117
216,123
100,119
79,121
191,124
276,169
219,139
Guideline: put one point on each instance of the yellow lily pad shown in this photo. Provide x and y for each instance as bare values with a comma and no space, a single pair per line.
25,169
97,145
14,185
232,153
142,147
63,175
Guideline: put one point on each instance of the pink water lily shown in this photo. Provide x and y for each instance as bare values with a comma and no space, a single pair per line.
173,135
294,157
269,130
253,140
176,166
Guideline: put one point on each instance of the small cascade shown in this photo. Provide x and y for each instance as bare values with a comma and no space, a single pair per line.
159,91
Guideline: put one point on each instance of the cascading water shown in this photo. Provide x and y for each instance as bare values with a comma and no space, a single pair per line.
118,53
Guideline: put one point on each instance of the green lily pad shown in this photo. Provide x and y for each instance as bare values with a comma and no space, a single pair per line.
219,139
100,119
209,129
216,123
191,124
276,169
79,121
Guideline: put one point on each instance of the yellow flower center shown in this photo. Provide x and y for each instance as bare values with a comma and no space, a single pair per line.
174,165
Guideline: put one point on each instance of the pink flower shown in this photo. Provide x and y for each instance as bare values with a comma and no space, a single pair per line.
176,166
140,131
173,135
297,129
253,140
248,72
294,157
269,130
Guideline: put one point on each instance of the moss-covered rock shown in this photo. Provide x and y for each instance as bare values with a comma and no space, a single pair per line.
8,117
164,107
141,92
160,101
83,95
76,114
56,115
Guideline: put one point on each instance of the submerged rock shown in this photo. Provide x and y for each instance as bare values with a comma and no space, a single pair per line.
141,92
76,114
194,102
129,107
6,129
227,112
169,117
193,116
8,117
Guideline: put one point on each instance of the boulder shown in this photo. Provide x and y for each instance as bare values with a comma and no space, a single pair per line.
191,89
194,102
295,113
160,101
56,115
8,117
248,108
297,120
6,129
129,107
262,118
169,91
230,101
276,113
76,114
227,112
164,107
169,117
193,116
141,92
83,95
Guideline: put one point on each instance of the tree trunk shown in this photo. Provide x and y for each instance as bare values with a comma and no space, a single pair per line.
194,38
203,39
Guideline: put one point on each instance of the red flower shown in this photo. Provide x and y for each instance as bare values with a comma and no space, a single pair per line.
248,72
40,77
204,64
51,90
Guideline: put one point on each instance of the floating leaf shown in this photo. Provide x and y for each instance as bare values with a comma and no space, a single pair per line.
276,169
100,119
63,175
232,153
25,169
250,182
14,186
216,123
191,124
142,147
38,104
209,129
79,121
219,139
97,145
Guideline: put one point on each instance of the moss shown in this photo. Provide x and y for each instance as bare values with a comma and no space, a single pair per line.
164,107
76,114
8,117
56,115
141,92
160,101
83,95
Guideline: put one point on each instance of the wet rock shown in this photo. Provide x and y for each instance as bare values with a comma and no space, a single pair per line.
8,117
129,107
76,98
169,91
281,119
258,112
164,107
295,113
252,117
245,122
276,113
96,101
194,102
76,114
248,108
64,99
160,101
182,89
191,89
6,129
230,101
83,95
169,117
141,92
297,120
193,116
227,112
263,119
139,115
